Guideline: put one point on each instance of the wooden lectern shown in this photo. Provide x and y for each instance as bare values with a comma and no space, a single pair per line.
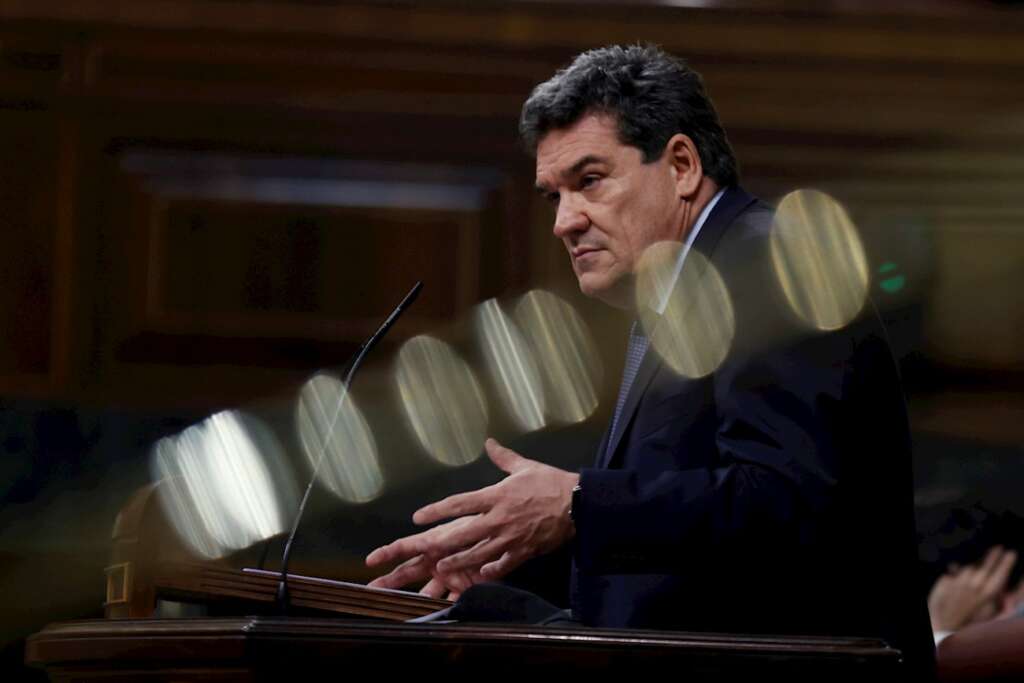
133,645
149,565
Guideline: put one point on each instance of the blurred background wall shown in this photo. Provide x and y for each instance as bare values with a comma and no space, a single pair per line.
202,202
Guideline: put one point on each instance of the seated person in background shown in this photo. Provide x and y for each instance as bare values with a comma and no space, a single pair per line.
975,593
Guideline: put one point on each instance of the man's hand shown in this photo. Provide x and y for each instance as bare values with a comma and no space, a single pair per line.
495,529
971,594
424,566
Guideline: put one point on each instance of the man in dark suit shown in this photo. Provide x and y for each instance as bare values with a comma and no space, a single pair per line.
769,492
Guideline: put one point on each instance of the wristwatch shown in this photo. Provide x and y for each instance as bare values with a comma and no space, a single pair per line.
574,504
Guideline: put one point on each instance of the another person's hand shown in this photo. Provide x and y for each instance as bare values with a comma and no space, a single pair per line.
971,594
495,529
1013,602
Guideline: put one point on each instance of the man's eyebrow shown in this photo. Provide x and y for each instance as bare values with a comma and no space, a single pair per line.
573,170
582,163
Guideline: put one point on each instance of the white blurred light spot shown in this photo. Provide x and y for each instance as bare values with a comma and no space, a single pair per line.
695,331
331,426
510,363
181,504
565,353
442,399
818,259
218,490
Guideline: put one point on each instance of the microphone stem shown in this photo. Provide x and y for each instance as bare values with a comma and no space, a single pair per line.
282,586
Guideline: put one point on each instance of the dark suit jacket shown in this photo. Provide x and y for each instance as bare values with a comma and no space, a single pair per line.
772,496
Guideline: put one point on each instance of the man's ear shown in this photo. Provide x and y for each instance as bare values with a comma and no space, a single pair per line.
687,169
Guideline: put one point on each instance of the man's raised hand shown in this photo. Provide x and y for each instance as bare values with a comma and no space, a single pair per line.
494,529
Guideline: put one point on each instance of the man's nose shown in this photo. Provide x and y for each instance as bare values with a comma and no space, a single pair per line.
569,218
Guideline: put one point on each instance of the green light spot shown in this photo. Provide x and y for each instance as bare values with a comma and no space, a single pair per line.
887,267
893,284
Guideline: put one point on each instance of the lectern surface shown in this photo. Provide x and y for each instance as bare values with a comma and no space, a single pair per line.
262,648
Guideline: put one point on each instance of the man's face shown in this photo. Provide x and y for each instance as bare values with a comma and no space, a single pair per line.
610,206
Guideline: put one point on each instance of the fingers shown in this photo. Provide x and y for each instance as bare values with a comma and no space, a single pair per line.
995,583
973,575
458,582
458,505
499,568
402,549
988,575
469,543
421,567
434,588
437,542
992,559
411,571
506,459
454,583
486,551
939,588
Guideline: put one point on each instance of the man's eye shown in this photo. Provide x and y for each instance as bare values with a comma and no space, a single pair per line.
589,181
552,197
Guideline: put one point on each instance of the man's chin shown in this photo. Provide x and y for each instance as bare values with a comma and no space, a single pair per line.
611,293
591,285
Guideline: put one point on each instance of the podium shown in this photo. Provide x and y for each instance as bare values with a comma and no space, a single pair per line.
149,564
289,649
342,629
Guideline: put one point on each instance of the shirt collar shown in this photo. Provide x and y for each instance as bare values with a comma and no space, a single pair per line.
678,268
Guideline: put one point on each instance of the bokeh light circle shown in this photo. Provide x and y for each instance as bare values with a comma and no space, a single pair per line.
565,353
694,332
332,428
818,259
442,399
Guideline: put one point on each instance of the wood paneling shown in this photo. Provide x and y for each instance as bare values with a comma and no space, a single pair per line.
28,179
204,193
249,259
303,248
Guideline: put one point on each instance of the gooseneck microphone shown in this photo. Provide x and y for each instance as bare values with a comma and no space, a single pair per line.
282,585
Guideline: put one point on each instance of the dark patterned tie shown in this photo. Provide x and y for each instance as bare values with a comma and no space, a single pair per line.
634,356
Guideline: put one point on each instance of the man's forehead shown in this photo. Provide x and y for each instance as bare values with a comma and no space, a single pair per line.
591,129
593,138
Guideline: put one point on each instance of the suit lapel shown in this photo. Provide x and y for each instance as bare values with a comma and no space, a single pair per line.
732,203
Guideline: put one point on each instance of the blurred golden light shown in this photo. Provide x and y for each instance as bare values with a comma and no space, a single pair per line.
442,399
695,331
332,428
565,353
218,490
819,260
510,363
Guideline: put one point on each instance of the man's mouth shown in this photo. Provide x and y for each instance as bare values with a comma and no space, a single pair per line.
578,252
